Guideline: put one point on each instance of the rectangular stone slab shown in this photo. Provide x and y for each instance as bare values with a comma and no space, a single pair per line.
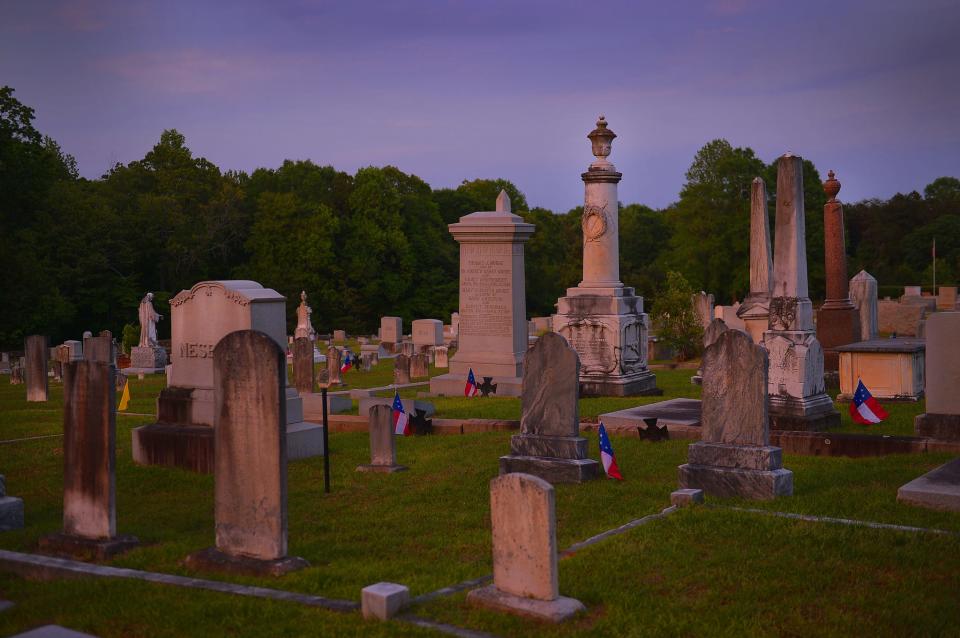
562,447
937,489
729,482
742,456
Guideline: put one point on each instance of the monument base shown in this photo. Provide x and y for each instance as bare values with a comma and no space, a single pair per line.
147,360
641,384
810,414
819,423
552,470
78,547
945,427
451,385
11,513
558,610
191,446
836,326
937,489
381,469
733,481
212,559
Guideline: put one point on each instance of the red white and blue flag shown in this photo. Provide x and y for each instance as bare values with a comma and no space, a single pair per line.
347,362
401,420
607,457
864,408
471,389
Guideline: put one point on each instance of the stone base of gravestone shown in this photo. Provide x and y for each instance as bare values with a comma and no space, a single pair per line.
552,470
212,559
147,359
945,427
557,610
836,326
381,469
11,509
938,489
724,470
185,446
805,422
81,548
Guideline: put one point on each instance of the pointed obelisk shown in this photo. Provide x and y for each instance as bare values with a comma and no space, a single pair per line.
601,318
755,309
795,383
838,322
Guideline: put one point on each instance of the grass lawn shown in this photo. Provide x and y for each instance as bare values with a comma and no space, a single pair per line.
704,571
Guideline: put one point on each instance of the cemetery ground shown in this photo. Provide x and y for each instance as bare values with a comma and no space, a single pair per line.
706,570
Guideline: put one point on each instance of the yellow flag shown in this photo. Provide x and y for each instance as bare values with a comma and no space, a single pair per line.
125,397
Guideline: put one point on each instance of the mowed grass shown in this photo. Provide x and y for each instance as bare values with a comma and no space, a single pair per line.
706,571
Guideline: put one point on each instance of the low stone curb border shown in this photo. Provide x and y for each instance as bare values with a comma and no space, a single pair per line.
840,521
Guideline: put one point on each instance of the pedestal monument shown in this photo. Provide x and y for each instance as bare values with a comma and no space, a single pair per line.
601,318
147,356
755,309
795,387
493,306
838,323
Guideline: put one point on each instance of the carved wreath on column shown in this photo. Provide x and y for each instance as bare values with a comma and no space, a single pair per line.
783,312
594,222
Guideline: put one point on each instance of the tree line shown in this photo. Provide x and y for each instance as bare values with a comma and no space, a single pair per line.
79,253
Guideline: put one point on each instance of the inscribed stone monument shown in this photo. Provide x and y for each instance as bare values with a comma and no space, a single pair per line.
798,400
734,456
440,357
35,370
419,366
525,572
427,332
303,371
89,465
493,325
838,323
391,332
863,294
250,474
100,348
549,444
200,317
383,447
755,310
401,369
601,318
334,361
942,418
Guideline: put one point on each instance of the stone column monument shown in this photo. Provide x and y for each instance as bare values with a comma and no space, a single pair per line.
755,309
863,294
493,306
601,318
942,418
795,386
838,323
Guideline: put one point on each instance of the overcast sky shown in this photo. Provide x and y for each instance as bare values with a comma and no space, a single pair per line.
457,90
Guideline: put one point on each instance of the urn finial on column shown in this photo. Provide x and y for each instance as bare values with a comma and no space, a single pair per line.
601,139
831,187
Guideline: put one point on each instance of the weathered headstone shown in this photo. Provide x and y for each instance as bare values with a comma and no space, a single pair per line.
304,327
250,473
339,335
947,298
755,310
525,571
904,319
602,319
734,456
798,400
549,444
493,327
89,465
303,370
16,371
334,360
35,371
408,348
419,366
383,447
401,369
440,357
11,509
863,294
5,363
942,418
99,348
200,317
391,332
729,316
427,332
703,306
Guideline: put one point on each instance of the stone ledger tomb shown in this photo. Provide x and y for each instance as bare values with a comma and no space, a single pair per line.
493,306
549,444
734,456
525,581
601,318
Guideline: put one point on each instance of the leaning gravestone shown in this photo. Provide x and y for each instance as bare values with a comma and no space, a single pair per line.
383,448
942,418
419,366
89,465
333,365
35,371
303,374
549,444
734,456
525,582
401,369
250,467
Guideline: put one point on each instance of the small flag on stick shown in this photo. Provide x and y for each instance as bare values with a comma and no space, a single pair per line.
607,456
864,408
347,363
125,397
401,420
471,389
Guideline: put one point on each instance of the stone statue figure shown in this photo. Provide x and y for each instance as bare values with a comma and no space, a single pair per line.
148,322
304,327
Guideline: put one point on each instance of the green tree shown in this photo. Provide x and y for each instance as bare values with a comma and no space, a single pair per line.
675,319
484,193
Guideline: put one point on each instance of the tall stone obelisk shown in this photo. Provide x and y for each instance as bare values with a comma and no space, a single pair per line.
795,383
755,309
838,322
601,318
